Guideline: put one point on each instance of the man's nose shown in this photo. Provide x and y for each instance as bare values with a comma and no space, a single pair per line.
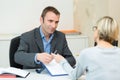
54,25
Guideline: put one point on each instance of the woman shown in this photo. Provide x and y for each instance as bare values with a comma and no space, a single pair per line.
101,62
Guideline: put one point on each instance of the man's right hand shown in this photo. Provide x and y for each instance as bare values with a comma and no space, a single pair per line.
44,58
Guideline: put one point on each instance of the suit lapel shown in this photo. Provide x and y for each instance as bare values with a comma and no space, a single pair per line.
39,40
40,43
53,43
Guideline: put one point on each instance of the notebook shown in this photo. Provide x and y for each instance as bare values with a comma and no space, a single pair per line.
14,71
55,69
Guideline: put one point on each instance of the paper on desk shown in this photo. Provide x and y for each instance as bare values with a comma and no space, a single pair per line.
55,69
16,71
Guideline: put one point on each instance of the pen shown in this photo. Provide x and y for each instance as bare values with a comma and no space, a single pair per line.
55,52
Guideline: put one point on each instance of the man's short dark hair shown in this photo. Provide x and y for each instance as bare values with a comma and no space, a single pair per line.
49,9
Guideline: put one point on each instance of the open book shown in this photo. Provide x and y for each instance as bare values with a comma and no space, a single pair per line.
14,71
55,69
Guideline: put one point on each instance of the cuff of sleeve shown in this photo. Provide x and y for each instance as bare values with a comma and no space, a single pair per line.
35,59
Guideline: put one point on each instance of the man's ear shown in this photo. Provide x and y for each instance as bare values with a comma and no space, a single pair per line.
41,19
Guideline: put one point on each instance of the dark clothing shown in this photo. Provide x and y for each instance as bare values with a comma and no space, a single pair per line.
31,43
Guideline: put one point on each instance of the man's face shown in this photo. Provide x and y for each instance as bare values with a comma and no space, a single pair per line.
49,23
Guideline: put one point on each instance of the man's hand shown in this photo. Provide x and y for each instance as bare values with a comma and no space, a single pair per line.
44,58
58,57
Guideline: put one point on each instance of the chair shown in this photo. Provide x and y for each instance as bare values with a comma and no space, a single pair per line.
115,43
13,48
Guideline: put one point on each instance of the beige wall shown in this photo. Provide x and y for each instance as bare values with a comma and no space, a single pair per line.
114,11
87,12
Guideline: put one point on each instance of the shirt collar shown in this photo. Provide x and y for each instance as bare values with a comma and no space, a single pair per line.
41,33
43,36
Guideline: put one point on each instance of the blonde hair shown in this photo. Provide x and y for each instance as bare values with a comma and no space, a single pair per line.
108,29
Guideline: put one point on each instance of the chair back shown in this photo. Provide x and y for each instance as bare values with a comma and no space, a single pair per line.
13,48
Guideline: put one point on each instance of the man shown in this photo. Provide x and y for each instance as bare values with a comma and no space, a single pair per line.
37,45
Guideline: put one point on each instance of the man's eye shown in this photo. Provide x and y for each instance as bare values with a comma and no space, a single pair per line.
50,20
57,22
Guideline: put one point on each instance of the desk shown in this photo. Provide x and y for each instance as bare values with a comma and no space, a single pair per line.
36,76
43,76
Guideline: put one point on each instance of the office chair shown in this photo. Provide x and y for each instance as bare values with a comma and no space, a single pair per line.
115,43
13,48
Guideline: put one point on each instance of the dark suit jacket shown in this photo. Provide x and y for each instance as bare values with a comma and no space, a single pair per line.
31,43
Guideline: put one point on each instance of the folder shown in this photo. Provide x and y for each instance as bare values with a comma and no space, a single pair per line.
55,69
11,71
7,76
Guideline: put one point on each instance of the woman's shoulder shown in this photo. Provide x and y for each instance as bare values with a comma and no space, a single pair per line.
89,49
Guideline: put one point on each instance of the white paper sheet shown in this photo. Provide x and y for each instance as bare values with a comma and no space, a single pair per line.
55,69
16,71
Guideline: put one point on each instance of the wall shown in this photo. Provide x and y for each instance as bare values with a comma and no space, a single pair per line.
114,6
18,16
86,13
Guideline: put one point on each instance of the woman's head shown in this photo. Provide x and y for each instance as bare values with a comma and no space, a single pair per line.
107,29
